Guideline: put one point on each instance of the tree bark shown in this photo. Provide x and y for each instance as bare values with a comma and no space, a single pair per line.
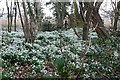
85,19
33,23
93,13
21,19
101,31
116,18
11,16
20,16
27,26
8,16
38,14
15,8
115,21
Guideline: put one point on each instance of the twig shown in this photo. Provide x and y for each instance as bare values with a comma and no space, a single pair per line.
2,12
90,39
84,55
76,32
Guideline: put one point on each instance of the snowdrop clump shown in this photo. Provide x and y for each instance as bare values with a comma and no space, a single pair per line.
53,54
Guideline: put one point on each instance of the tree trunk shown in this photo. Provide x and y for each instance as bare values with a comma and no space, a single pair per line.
115,21
33,23
21,19
20,16
15,16
85,19
27,26
101,31
96,19
8,16
116,18
11,16
85,32
39,14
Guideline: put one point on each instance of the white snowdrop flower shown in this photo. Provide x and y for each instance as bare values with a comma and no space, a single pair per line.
73,63
56,74
66,48
17,67
44,71
35,58
40,61
63,50
77,62
50,73
58,56
15,64
77,66
116,54
76,55
33,50
38,51
84,65
20,53
86,75
22,56
36,45
33,66
29,44
33,72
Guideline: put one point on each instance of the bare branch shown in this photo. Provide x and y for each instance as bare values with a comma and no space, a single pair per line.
2,13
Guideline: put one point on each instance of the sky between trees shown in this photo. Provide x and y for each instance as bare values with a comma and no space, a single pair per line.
106,5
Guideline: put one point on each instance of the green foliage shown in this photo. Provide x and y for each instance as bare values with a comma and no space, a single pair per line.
47,26
59,63
66,54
